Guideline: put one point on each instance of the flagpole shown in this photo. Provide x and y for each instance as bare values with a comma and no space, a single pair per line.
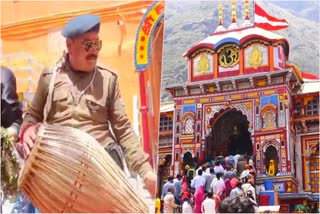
254,12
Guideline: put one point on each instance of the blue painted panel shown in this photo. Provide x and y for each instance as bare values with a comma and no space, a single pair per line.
186,108
273,99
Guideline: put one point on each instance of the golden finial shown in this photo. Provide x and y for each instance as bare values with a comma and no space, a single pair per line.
220,14
220,22
234,12
246,9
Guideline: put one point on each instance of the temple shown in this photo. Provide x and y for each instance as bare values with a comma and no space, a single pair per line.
243,97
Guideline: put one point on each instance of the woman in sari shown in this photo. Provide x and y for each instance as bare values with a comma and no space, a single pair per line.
198,199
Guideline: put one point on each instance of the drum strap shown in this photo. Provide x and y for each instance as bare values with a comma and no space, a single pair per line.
48,103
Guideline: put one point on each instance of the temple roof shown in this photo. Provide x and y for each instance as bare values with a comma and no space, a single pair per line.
238,36
167,107
311,83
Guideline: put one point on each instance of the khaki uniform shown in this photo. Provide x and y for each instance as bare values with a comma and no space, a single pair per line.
87,101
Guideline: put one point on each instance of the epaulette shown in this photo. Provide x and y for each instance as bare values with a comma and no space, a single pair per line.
105,69
46,72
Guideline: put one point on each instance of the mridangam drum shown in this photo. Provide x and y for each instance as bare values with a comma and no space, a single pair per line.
68,171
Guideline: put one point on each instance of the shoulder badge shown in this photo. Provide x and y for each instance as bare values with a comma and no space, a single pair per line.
46,72
109,70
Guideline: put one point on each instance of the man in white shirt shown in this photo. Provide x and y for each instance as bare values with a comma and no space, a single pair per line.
187,205
209,204
209,178
198,180
217,184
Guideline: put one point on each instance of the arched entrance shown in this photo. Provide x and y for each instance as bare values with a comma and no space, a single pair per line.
271,155
187,159
229,135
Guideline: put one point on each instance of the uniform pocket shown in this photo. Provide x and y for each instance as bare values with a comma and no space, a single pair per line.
97,108
60,99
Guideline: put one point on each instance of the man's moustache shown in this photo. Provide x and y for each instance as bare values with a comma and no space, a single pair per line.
92,57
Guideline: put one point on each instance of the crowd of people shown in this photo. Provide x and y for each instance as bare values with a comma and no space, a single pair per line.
225,185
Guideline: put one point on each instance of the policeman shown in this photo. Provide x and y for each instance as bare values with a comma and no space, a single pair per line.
78,93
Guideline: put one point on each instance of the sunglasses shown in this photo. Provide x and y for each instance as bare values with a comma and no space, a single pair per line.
87,45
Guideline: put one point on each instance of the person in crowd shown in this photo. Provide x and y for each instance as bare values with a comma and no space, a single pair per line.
177,188
248,187
236,188
218,168
198,199
245,172
157,205
230,161
209,178
229,174
209,204
251,164
198,180
241,165
187,204
217,184
184,188
11,119
168,202
166,187
209,165
191,173
227,187
237,204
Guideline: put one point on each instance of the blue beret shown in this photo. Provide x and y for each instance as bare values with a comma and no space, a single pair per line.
79,25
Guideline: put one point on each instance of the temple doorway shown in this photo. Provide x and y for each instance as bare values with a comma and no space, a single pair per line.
229,135
188,159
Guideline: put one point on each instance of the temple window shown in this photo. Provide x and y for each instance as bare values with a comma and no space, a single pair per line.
189,126
178,129
198,138
257,110
281,106
198,127
299,109
312,107
199,115
165,123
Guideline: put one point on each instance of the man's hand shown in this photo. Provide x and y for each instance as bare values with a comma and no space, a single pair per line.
29,138
151,182
12,134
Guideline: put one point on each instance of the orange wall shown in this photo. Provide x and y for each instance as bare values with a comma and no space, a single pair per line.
46,51
20,10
